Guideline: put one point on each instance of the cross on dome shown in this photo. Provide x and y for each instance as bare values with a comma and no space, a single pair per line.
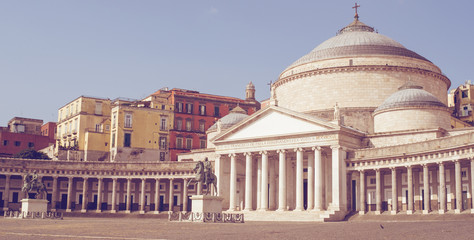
356,14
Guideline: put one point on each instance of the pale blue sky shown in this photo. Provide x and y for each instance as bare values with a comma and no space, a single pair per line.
51,52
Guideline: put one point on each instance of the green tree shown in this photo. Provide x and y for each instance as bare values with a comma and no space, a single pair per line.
31,154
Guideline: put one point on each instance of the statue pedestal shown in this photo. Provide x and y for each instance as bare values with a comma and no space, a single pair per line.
33,206
206,204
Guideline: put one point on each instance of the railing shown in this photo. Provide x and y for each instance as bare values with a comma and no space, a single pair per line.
206,217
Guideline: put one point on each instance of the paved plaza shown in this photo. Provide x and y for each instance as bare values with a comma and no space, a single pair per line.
370,227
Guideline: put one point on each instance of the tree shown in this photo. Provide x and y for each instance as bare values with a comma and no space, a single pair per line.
31,154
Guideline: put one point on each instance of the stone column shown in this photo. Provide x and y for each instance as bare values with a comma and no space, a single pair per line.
426,188
219,172
310,185
142,196
185,195
410,189
271,185
472,185
337,178
233,182
318,179
170,199
54,194
299,180
378,192
114,195
157,196
457,169
99,194
7,192
248,181
442,189
394,192
69,194
281,180
362,192
264,194
129,196
84,195
259,182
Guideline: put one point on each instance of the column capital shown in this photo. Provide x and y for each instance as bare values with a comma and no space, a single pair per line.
393,169
425,165
298,149
157,179
143,179
263,152
232,154
114,179
316,148
361,171
100,178
70,178
334,147
377,170
409,167
281,151
440,163
455,160
55,177
247,154
85,178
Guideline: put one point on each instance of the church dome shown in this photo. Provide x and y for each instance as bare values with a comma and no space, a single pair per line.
356,39
358,69
411,108
410,96
235,115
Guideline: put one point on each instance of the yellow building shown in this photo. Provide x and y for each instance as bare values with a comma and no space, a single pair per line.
140,130
461,100
82,126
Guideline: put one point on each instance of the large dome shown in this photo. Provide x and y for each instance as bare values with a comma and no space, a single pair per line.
356,39
358,69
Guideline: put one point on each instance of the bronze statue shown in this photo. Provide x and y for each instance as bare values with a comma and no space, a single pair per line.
204,175
31,183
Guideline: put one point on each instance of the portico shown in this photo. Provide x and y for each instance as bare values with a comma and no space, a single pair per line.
299,167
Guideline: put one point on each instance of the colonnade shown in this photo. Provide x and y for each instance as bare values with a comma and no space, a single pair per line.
428,190
174,187
266,193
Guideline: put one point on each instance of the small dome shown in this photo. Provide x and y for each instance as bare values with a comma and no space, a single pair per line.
354,40
410,96
236,115
250,86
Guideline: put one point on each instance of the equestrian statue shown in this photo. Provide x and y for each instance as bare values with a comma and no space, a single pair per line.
31,183
204,175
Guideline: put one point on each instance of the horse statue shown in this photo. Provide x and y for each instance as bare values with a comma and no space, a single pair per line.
204,175
31,183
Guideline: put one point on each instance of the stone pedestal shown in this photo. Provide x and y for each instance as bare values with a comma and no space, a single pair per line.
206,204
34,206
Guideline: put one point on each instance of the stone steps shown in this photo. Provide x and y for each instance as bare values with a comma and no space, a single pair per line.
290,216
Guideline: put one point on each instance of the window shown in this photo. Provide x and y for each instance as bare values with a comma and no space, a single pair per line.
98,128
127,140
189,108
163,124
202,110
202,126
31,144
98,108
5,142
128,120
179,107
216,111
163,143
179,124
189,143
114,119
202,143
188,125
179,142
17,143
75,126
464,94
113,140
162,156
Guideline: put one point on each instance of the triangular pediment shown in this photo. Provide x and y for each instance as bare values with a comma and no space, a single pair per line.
275,121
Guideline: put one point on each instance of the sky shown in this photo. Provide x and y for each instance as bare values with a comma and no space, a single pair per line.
52,52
